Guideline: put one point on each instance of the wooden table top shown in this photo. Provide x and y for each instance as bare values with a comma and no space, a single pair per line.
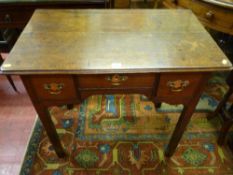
114,41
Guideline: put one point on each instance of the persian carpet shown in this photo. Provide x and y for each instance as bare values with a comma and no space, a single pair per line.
125,135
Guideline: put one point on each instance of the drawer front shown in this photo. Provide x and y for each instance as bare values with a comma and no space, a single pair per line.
11,17
53,88
116,81
212,15
178,85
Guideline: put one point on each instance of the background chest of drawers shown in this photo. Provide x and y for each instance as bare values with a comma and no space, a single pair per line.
14,15
215,14
17,14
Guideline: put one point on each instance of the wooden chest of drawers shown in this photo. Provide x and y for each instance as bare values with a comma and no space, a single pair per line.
214,14
13,17
17,14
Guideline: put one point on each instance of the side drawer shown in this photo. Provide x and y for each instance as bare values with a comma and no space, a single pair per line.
49,87
178,85
116,81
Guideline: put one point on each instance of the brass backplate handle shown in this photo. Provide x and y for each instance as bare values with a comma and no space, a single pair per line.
178,85
54,88
116,79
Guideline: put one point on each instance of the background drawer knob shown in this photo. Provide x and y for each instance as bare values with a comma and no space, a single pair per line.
7,18
177,85
116,79
54,88
209,15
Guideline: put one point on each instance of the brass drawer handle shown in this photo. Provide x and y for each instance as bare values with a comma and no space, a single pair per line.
178,85
209,15
54,88
116,79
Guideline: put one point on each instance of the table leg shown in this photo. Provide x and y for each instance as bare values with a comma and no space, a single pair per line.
8,76
180,128
50,129
223,132
11,82
70,106
157,104
221,104
185,117
45,118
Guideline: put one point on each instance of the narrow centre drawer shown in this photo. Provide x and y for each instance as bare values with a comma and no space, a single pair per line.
116,80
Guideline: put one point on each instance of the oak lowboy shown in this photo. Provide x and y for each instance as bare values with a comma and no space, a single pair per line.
164,54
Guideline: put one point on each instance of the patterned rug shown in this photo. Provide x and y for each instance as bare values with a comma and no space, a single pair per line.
125,135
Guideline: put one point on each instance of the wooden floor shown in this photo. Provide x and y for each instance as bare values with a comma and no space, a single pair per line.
16,121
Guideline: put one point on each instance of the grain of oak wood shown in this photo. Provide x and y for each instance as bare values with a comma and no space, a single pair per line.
65,56
100,41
